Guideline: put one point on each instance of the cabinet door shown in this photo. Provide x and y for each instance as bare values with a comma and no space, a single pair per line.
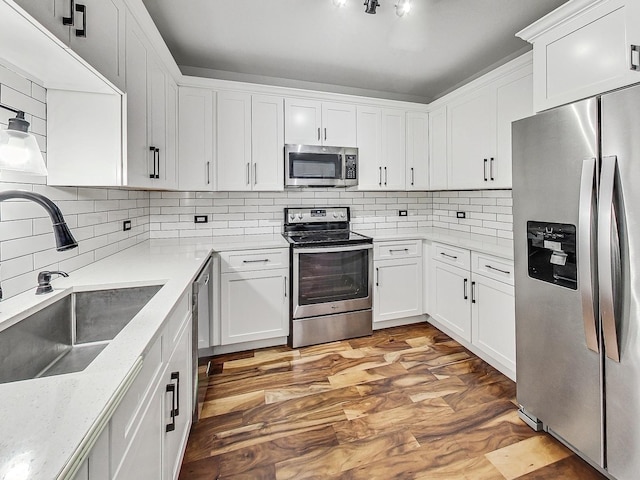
143,459
170,180
588,54
393,149
50,13
104,41
451,298
369,129
267,143
179,376
139,158
493,320
338,124
471,141
398,289
195,134
438,149
157,121
302,121
98,461
417,151
255,305
514,98
233,133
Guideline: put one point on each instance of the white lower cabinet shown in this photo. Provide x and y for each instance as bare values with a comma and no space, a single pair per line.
96,467
254,295
493,320
451,301
472,299
397,280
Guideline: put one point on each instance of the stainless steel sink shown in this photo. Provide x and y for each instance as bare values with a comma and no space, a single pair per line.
68,335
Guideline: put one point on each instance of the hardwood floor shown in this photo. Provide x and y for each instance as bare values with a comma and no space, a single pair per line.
406,403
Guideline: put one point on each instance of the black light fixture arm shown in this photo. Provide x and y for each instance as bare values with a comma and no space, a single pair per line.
18,123
14,110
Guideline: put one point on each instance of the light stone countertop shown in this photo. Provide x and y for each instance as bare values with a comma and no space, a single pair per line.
499,247
48,422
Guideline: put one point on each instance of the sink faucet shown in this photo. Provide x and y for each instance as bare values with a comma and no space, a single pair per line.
44,281
64,239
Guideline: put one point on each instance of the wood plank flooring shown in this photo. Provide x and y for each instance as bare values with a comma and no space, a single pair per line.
406,403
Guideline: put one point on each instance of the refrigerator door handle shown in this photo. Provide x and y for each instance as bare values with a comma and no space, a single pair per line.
585,235
608,266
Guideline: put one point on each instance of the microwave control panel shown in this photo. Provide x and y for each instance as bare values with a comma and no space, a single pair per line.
351,167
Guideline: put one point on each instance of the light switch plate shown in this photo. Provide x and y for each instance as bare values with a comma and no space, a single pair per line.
461,215
126,225
402,213
200,219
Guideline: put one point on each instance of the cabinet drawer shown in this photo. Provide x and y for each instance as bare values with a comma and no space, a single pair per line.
176,319
397,249
129,412
499,269
460,257
250,260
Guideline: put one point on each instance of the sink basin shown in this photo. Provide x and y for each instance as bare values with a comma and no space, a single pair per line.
69,334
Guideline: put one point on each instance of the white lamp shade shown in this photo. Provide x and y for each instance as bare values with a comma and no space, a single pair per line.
19,152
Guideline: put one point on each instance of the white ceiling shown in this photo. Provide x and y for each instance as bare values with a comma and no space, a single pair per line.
313,44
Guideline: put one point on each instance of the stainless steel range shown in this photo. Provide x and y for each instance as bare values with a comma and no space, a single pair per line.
331,272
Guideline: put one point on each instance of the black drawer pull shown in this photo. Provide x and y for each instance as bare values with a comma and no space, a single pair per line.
170,427
506,272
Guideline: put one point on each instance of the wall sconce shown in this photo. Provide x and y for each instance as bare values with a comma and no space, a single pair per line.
19,150
371,6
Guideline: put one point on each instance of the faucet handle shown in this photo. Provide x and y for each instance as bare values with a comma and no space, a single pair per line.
44,279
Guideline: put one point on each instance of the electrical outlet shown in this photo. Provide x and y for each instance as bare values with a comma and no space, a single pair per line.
126,225
461,215
200,219
402,213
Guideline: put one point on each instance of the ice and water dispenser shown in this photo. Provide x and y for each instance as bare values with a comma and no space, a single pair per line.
552,253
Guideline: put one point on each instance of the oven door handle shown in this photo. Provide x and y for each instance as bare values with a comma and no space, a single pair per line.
342,248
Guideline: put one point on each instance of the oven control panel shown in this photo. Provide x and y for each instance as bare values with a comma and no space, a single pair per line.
316,215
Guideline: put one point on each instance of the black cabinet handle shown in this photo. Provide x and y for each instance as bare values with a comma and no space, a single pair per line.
69,20
506,272
152,149
473,292
377,277
170,427
379,176
447,255
465,288
176,376
632,63
82,32
485,169
491,169
158,162
385,176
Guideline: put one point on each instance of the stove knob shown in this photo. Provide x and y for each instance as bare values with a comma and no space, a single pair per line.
342,215
292,217
300,216
335,214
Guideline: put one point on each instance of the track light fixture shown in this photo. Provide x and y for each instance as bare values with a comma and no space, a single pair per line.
370,6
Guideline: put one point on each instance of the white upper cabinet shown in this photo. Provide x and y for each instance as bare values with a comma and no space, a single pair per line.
94,29
139,157
369,120
472,140
267,143
338,124
417,151
233,146
438,149
470,130
381,148
584,48
195,132
393,149
311,122
514,101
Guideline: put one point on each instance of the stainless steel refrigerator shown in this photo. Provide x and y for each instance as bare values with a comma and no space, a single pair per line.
576,209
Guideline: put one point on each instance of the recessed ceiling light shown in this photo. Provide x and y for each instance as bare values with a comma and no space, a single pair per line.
340,3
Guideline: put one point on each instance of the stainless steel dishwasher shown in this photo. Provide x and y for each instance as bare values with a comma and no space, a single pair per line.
202,308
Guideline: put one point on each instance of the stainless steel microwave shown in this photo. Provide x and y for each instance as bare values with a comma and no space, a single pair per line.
318,166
